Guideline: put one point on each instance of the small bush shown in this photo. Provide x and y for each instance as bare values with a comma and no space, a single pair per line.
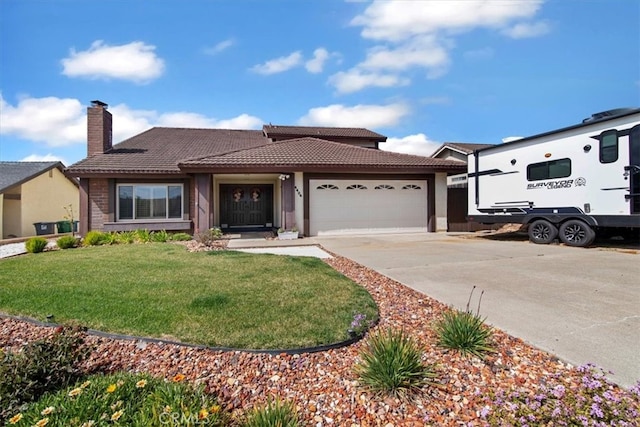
209,236
159,236
465,331
43,365
110,238
143,236
35,245
274,414
126,237
181,237
66,242
128,400
391,363
94,238
595,401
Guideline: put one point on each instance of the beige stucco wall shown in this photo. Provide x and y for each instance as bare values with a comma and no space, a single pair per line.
44,199
11,217
441,202
299,200
1,215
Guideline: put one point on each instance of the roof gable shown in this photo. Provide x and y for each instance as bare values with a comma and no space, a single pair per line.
459,147
17,173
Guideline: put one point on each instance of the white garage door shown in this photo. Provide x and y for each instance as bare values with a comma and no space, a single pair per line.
351,205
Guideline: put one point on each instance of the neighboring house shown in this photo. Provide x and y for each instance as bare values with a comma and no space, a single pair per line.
321,180
34,192
457,200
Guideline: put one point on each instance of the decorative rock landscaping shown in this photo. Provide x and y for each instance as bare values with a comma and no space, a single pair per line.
323,385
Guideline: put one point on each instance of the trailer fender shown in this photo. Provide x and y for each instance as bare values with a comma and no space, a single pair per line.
559,219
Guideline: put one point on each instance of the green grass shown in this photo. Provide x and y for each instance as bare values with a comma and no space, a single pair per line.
221,298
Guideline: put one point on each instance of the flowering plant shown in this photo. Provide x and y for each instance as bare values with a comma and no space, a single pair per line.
359,325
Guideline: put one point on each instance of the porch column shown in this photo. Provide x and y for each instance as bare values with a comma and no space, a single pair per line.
201,221
288,202
84,207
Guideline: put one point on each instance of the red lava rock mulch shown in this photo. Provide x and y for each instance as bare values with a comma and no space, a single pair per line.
323,385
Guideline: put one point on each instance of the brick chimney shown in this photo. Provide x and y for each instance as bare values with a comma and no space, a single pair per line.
98,129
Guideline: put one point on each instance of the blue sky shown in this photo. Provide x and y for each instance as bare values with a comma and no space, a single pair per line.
421,72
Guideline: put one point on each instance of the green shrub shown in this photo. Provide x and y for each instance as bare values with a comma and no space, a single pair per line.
66,242
143,236
465,331
159,236
128,400
391,363
42,366
94,238
274,414
35,245
126,237
110,238
181,237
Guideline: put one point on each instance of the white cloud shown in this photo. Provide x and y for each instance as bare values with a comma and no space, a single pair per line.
479,54
417,144
367,116
528,29
316,64
279,65
355,80
219,47
57,122
54,121
136,62
46,158
400,20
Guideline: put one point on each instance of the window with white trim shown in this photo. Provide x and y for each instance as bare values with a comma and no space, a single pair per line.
149,201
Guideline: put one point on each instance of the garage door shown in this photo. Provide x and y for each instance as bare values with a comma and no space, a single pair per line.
343,206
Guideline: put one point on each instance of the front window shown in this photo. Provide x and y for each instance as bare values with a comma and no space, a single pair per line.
149,202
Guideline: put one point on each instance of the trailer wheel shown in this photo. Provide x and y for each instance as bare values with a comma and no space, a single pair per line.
542,232
576,233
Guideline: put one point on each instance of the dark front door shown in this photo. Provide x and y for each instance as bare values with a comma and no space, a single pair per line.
634,169
246,205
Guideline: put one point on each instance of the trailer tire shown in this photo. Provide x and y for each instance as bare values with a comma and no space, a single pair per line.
542,232
576,233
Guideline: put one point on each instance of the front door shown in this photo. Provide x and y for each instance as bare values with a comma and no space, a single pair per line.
634,169
246,205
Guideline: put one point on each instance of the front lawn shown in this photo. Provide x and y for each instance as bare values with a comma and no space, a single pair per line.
221,298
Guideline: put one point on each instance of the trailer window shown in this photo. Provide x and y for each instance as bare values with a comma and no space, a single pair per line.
549,170
609,146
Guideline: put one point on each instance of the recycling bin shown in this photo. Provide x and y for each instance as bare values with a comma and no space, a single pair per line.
43,228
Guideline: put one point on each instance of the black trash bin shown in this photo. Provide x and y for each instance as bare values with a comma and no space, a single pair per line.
43,228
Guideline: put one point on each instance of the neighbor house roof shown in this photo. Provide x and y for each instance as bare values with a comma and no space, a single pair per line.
460,147
309,153
177,150
17,173
280,132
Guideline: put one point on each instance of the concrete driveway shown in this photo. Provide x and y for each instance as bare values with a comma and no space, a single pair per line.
582,305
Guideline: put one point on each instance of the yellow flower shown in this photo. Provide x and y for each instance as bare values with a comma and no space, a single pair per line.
15,419
215,409
168,409
88,424
112,388
178,377
85,384
75,392
47,411
116,415
43,422
141,383
203,414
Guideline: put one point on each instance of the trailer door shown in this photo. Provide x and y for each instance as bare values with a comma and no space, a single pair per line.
634,169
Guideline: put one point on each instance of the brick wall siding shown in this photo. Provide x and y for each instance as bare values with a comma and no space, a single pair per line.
99,203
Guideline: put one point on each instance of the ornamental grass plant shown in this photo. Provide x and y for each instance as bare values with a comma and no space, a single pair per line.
391,364
464,331
35,245
275,413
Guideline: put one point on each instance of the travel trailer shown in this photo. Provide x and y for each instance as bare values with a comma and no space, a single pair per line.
567,184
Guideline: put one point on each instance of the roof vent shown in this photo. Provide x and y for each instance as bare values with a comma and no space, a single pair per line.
607,114
97,103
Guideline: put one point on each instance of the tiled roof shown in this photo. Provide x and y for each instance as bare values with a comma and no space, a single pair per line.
278,131
311,153
15,173
463,147
159,150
